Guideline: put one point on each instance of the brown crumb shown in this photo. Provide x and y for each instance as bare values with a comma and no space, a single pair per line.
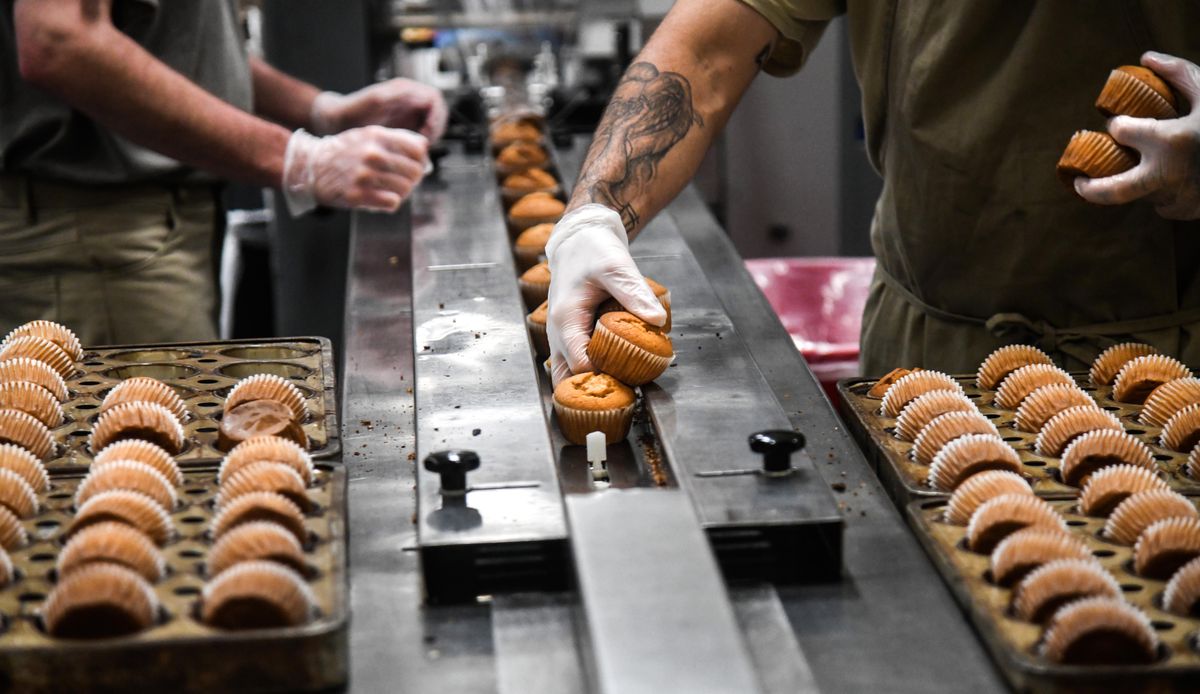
839,486
412,456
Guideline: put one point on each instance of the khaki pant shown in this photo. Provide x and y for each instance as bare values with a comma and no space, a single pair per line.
116,265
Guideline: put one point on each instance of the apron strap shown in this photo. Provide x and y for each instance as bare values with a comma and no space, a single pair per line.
1048,336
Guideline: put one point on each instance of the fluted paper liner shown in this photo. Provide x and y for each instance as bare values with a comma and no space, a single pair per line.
1093,155
1182,430
267,387
33,400
256,595
7,571
623,360
1005,360
258,506
925,408
137,420
1043,403
1193,463
1106,366
1092,630
267,448
1027,379
1108,487
60,335
113,542
1098,449
12,533
24,430
946,427
39,349
129,475
256,541
86,604
1183,590
263,476
142,452
880,387
145,389
913,385
1169,398
1059,582
539,338
534,293
1066,426
16,495
1143,509
24,369
1126,95
1028,549
125,506
576,424
26,465
1141,375
981,488
528,256
1004,515
1165,546
970,455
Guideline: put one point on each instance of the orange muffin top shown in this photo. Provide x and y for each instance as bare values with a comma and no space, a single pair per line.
629,327
541,313
593,391
537,205
657,288
530,179
523,154
516,131
538,274
536,236
1148,77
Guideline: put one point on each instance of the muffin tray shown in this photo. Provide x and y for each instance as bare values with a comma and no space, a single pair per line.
202,373
905,479
1013,642
179,653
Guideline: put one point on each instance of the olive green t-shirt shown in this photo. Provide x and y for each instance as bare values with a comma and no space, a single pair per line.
43,136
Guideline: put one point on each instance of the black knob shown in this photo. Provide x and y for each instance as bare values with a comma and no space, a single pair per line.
453,467
777,447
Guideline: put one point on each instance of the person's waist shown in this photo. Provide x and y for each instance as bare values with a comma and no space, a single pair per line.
17,190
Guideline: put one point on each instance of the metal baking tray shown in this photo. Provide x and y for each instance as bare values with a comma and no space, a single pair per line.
1013,642
202,373
904,479
180,653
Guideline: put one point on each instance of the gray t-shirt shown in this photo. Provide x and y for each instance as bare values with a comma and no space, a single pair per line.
43,136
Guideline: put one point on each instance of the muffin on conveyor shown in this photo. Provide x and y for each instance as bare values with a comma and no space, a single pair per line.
535,284
629,348
536,323
529,181
535,209
531,245
590,402
520,156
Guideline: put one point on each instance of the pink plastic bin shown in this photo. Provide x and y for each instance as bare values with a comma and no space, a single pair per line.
820,303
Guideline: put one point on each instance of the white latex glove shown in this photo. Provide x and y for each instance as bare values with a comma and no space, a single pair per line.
589,262
372,168
1168,174
396,103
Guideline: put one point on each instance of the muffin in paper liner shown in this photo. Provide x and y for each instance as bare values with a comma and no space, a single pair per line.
270,449
1026,550
1100,631
1060,430
125,506
137,420
1165,546
1141,375
256,595
113,542
264,476
517,185
576,424
259,506
1053,584
33,400
970,455
509,130
946,427
140,451
917,383
1108,487
1183,590
145,389
535,209
256,541
16,495
1043,403
1169,398
1023,381
24,369
60,335
1005,360
1106,366
519,156
1182,430
880,387
1141,510
24,430
129,475
622,356
1099,449
980,488
997,518
12,533
530,245
100,600
26,465
39,349
267,387
1093,155
535,322
535,285
923,409
1132,90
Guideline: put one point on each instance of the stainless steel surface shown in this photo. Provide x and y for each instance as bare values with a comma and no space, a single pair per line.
657,615
777,656
536,647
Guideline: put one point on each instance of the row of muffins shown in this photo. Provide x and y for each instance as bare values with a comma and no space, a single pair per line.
625,351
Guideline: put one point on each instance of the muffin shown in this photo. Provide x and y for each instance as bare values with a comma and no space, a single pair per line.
525,182
629,348
536,323
535,285
660,292
530,246
1132,90
535,209
505,133
590,402
520,156
1093,155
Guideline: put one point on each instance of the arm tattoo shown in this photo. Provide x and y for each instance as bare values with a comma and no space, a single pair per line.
649,114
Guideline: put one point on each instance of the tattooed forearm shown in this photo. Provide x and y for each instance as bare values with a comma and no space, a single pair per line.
649,114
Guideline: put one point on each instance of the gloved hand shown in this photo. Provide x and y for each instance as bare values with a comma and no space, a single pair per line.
1168,174
590,261
373,168
396,103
